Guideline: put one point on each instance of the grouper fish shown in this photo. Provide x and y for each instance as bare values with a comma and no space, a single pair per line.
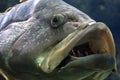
51,40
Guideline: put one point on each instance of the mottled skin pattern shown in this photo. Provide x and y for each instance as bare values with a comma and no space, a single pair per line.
31,48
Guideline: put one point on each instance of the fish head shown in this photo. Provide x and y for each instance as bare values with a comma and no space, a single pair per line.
64,41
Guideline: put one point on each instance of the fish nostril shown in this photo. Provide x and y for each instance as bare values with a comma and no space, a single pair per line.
80,26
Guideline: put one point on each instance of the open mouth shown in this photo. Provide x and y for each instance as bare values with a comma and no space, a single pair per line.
77,52
95,39
86,49
81,50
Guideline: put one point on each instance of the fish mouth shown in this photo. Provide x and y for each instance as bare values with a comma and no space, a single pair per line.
76,53
91,40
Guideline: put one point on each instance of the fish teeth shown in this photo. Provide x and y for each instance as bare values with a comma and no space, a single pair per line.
73,52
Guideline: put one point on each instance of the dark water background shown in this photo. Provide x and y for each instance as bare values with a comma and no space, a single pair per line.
107,11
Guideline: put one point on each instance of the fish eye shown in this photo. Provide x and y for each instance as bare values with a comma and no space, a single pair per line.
57,20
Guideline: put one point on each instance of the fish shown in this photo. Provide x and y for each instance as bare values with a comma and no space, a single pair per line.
52,40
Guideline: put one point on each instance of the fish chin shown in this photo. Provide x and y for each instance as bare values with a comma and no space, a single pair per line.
95,39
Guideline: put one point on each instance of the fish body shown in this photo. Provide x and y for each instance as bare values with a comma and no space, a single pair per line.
51,40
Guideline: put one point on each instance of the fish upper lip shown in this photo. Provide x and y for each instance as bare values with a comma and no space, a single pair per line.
50,63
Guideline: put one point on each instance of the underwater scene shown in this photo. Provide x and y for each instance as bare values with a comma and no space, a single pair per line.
57,63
